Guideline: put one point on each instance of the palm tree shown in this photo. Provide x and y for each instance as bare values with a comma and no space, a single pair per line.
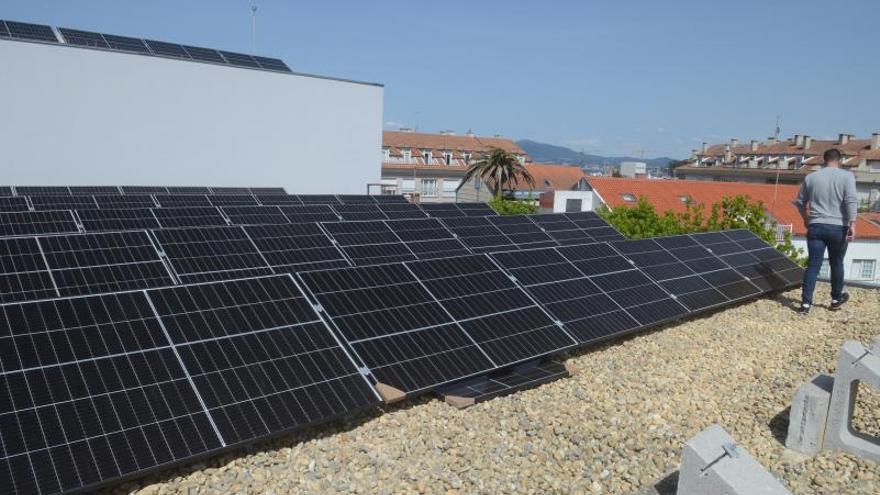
500,168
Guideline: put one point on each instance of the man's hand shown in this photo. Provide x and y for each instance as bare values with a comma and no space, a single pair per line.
851,232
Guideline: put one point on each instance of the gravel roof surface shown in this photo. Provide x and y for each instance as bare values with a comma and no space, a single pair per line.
617,426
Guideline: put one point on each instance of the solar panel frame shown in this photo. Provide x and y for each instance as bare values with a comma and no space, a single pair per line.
117,219
165,49
93,190
211,253
241,191
42,190
24,275
144,190
13,203
204,54
181,190
232,200
189,217
309,213
182,200
69,202
279,200
254,215
272,64
125,201
37,222
127,44
32,32
84,38
292,248
239,59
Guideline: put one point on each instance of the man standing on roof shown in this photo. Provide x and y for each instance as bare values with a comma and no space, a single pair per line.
828,204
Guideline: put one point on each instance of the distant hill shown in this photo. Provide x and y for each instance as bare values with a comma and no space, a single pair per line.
550,153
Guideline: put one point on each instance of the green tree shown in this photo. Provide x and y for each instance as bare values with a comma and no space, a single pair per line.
513,207
501,169
738,212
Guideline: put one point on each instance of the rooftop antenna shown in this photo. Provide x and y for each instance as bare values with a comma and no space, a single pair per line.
253,27
777,127
776,182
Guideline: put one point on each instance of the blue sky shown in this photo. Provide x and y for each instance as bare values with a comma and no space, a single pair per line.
609,77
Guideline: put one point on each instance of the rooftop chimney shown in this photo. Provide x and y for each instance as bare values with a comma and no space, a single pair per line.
450,132
470,133
497,135
771,140
753,145
808,141
728,155
875,141
843,139
798,140
734,142
405,129
705,147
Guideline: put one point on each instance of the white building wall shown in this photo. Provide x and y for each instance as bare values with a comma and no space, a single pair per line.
864,249
80,116
560,198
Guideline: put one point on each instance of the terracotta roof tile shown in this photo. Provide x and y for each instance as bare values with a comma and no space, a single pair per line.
550,176
668,195
422,140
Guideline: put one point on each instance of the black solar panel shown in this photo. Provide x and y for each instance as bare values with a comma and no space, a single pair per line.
193,253
110,219
257,191
478,234
126,44
294,248
64,202
34,32
4,31
427,238
522,231
86,264
125,201
181,200
279,199
476,209
442,210
204,54
229,199
390,198
272,64
355,199
167,49
189,190
83,38
251,215
492,385
309,213
401,210
350,212
144,190
13,203
23,272
189,217
321,199
240,59
42,190
36,222
241,191
90,190
367,243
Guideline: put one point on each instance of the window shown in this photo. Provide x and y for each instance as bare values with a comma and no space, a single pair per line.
863,269
628,197
572,205
386,154
447,157
408,186
874,166
429,188
407,155
466,156
426,155
825,271
547,183
450,186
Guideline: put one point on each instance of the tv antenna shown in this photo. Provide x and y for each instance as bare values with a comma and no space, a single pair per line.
253,27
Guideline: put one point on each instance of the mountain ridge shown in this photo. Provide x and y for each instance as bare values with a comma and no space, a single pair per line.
551,153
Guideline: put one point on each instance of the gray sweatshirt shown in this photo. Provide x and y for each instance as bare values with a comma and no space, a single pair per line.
831,194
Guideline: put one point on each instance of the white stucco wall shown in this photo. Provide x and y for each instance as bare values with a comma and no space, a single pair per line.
559,198
857,250
80,116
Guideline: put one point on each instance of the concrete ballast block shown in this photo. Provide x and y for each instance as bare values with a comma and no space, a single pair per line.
856,364
713,464
809,414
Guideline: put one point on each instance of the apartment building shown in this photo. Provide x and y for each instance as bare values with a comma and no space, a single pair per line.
787,161
431,166
549,179
862,261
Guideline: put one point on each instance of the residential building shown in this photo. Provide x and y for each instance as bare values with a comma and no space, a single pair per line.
862,262
633,169
548,179
787,162
431,166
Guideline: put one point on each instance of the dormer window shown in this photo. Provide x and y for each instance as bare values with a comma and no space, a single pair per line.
407,155
447,157
684,198
628,197
386,154
426,155
547,183
466,157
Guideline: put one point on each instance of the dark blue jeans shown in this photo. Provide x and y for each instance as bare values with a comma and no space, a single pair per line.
821,236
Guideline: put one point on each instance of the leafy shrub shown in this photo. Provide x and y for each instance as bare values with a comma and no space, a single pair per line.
513,207
642,220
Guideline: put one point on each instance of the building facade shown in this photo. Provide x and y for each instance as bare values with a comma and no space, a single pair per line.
548,178
862,262
787,162
431,166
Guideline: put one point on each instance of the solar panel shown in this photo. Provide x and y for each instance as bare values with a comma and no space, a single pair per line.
85,264
210,253
390,198
189,217
241,191
181,200
204,54
147,379
476,209
401,210
4,31
478,234
189,190
367,243
350,212
496,384
69,202
167,49
144,190
36,222
279,199
248,215
228,199
427,238
23,272
240,59
442,210
111,219
42,190
272,64
90,190
125,201
294,248
83,38
355,199
33,32
309,213
321,199
126,44
13,203
256,191
521,231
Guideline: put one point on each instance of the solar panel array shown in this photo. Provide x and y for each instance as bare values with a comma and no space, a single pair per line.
89,39
128,350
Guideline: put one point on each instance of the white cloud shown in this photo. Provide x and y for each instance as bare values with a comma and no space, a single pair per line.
393,124
661,129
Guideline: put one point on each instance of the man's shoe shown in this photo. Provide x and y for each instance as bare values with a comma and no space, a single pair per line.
804,310
837,303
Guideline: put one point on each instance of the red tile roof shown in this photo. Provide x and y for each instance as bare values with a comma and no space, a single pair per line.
550,176
423,140
668,195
